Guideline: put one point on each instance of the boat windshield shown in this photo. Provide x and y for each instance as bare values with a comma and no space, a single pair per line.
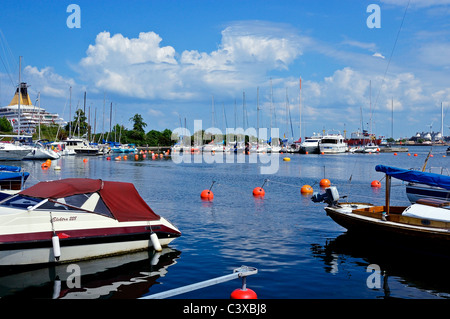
81,202
329,141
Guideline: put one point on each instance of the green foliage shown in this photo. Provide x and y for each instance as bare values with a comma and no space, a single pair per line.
138,123
5,125
78,126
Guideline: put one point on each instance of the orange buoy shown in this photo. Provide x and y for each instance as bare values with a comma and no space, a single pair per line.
44,165
325,182
85,160
415,154
306,189
259,192
243,294
375,183
207,195
108,158
136,157
306,153
395,153
118,158
409,154
322,153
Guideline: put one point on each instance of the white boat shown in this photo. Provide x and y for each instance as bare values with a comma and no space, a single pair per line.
38,151
425,223
81,147
332,144
60,148
12,152
367,148
311,145
77,218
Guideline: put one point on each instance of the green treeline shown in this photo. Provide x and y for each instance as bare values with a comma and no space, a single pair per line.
79,127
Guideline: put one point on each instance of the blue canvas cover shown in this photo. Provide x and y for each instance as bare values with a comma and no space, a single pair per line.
408,175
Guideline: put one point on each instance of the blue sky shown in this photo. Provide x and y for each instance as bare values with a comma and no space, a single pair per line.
167,60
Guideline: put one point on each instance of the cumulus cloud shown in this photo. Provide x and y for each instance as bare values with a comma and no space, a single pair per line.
348,92
140,67
50,83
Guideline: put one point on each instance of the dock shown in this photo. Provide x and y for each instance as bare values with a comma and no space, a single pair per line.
393,149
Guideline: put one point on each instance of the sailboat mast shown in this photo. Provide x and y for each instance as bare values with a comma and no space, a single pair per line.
257,117
392,118
300,108
19,94
370,105
39,113
70,112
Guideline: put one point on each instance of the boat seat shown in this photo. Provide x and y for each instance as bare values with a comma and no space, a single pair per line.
433,202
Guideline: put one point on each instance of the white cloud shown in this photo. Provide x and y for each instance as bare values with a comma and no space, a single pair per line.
378,55
47,82
436,54
140,67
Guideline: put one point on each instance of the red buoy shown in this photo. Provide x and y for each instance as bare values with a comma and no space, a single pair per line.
375,183
207,195
259,191
243,294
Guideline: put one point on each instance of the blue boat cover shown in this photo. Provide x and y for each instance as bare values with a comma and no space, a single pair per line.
408,175
10,168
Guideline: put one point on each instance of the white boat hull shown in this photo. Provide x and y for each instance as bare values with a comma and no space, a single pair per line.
74,253
27,240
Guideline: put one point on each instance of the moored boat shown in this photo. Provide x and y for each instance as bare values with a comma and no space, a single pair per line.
77,218
12,152
12,178
310,145
425,223
332,144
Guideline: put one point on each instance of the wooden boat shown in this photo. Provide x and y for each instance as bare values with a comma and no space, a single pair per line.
426,222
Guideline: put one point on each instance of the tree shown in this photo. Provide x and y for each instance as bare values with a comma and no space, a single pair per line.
138,123
5,125
79,124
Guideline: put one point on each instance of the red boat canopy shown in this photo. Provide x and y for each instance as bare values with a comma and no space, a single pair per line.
122,199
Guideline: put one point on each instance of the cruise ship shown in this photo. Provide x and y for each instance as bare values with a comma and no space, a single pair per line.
30,115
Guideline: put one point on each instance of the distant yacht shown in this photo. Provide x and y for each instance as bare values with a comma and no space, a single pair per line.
30,115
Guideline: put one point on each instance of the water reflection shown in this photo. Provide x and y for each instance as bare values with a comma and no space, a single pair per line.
423,271
125,276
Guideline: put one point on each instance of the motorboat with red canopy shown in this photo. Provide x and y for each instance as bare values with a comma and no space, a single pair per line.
78,218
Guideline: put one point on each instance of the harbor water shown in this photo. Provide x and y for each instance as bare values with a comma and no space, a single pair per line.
300,253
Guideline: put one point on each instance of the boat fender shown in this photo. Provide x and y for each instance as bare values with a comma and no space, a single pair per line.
155,242
56,247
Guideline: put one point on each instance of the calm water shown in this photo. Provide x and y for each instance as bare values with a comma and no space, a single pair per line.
299,251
